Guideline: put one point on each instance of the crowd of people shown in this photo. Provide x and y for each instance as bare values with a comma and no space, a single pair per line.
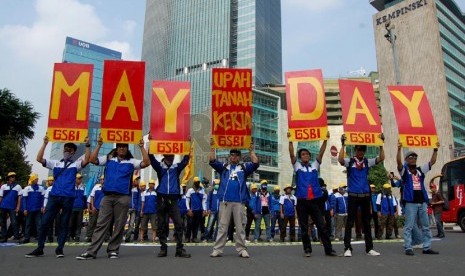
121,206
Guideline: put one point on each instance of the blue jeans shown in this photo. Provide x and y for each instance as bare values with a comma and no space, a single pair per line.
212,226
416,212
13,222
258,222
275,216
438,218
54,205
32,220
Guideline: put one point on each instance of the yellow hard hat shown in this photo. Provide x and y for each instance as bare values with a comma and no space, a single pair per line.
33,177
335,187
216,181
50,178
196,179
152,181
11,174
102,177
287,186
387,186
183,185
276,188
78,175
342,185
263,182
142,183
253,186
134,177
372,186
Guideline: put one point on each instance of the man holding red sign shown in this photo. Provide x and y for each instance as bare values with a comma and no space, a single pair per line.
359,193
309,195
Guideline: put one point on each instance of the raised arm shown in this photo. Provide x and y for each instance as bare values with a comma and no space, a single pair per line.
212,150
380,158
253,156
40,154
145,156
322,149
342,151
291,150
400,164
87,155
435,155
94,156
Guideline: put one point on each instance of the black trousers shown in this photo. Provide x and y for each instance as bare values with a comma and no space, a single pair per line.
365,206
311,208
168,207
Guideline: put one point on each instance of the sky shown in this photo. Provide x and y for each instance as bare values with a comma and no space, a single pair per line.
333,35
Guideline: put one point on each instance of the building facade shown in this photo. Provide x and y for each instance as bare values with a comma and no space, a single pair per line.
78,51
185,40
431,54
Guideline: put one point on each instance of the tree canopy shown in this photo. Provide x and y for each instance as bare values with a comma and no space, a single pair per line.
17,119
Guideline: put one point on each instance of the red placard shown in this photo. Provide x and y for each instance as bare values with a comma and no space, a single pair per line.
414,117
232,107
360,116
68,118
170,117
306,105
122,101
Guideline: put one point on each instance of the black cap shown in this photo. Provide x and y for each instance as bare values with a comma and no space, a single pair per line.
235,151
122,145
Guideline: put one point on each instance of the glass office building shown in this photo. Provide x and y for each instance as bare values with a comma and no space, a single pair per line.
184,40
78,51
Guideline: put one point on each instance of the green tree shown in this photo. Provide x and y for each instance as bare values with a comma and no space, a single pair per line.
377,175
17,118
13,159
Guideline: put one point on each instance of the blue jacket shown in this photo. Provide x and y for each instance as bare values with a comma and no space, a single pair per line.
357,177
150,202
233,186
307,184
80,200
288,202
340,203
275,207
9,194
258,203
135,197
213,202
374,196
407,183
118,174
168,177
33,198
388,204
182,205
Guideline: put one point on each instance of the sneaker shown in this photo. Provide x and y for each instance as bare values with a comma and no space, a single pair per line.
215,254
36,253
244,254
59,253
307,253
418,246
331,254
430,252
162,253
113,255
85,256
348,253
182,254
373,253
409,252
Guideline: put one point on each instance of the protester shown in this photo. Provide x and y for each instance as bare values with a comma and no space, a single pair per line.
33,200
10,201
75,222
386,204
288,204
196,209
437,203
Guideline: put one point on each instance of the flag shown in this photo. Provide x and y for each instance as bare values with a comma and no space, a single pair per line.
189,170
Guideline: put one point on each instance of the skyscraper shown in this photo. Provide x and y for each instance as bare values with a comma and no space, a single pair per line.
184,40
78,51
425,45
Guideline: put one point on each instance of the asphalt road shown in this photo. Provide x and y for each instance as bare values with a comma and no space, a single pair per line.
266,259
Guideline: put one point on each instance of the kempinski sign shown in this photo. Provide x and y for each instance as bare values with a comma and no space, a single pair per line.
399,12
